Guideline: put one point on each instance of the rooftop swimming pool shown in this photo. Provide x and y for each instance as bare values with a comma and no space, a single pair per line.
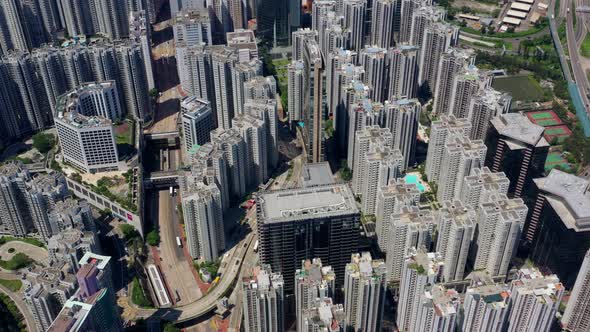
414,179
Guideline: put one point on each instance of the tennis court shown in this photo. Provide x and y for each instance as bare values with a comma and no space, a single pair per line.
544,118
556,158
560,132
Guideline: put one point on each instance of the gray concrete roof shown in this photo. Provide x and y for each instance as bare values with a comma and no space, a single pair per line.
317,174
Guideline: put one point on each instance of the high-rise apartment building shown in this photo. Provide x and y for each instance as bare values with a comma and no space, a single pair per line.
202,212
254,132
438,38
451,62
241,73
421,269
500,221
383,20
133,80
140,32
476,187
295,72
407,8
467,83
403,72
516,147
313,94
390,200
423,17
577,312
266,110
233,147
456,226
402,117
326,216
260,88
312,282
361,114
381,165
364,293
325,316
301,36
197,122
14,213
193,27
460,156
374,60
557,226
535,299
355,12
438,309
93,99
440,131
486,307
410,228
222,62
367,139
263,300
483,107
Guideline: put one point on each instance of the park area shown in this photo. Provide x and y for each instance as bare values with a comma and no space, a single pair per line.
521,87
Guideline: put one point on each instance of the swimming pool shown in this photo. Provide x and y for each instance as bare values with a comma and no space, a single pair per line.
413,179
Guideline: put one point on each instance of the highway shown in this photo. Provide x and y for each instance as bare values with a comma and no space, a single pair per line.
208,302
573,47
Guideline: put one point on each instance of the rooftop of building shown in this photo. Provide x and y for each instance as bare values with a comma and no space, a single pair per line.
531,281
314,271
465,144
316,174
75,312
325,314
445,301
414,215
569,195
450,121
14,169
458,212
241,37
100,261
519,128
195,107
192,15
399,187
262,278
306,203
364,266
429,263
486,177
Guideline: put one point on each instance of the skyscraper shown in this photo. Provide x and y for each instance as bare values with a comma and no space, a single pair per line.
13,205
312,282
241,73
222,62
557,225
499,220
295,72
577,312
202,211
403,72
133,80
407,8
364,293
361,114
326,315
300,37
390,200
326,216
535,299
460,156
440,131
516,147
423,17
266,110
456,225
273,21
420,270
410,228
401,117
263,300
451,62
231,143
313,92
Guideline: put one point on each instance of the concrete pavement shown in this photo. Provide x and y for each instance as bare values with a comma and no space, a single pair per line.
17,298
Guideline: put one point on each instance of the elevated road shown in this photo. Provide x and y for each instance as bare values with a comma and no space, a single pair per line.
208,302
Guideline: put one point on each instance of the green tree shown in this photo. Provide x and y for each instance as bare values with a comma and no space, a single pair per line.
153,238
43,142
169,327
345,172
154,93
129,232
76,177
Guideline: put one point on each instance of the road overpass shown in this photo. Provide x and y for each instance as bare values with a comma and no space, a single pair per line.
208,302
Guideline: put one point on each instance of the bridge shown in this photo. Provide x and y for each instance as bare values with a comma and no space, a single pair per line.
161,179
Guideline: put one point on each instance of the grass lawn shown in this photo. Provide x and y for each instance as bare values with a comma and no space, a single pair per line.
13,285
17,261
123,133
521,87
138,296
585,47
29,240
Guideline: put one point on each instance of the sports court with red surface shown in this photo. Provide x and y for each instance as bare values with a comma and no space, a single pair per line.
544,118
560,132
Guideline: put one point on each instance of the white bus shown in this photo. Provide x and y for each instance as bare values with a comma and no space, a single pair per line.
171,191
256,246
178,242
